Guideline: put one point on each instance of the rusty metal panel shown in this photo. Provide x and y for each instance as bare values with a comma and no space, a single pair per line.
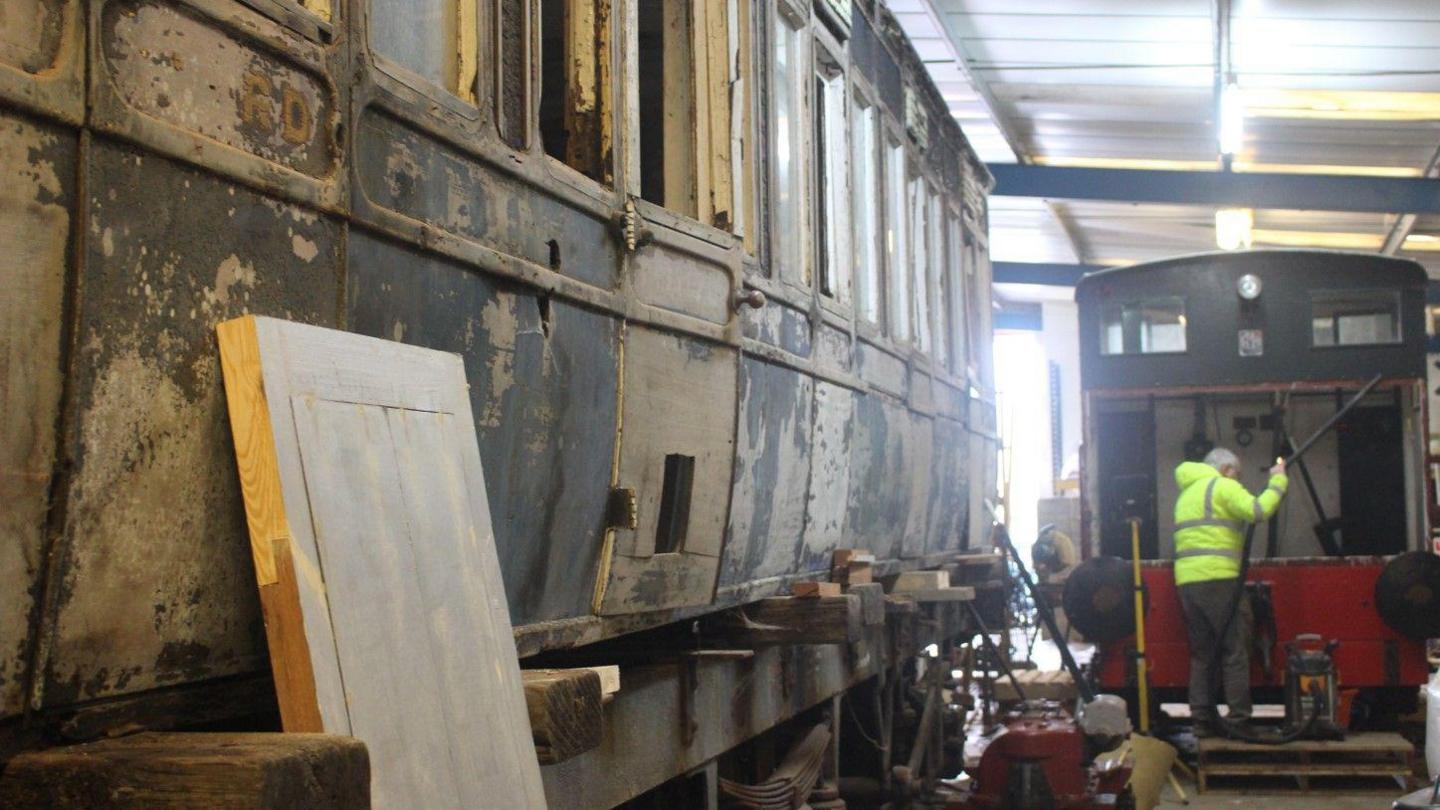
42,57
543,387
772,474
406,172
222,86
879,498
152,582
37,200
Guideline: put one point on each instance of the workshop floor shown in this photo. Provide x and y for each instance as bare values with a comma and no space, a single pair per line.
1318,800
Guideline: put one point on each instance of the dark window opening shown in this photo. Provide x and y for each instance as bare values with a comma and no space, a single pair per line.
674,519
667,105
574,85
822,186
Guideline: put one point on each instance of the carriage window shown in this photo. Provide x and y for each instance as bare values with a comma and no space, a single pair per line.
954,277
434,39
667,105
512,32
831,167
1151,326
575,93
787,138
935,278
897,240
865,162
1354,317
920,260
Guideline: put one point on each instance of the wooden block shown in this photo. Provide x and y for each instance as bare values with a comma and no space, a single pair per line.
858,574
565,713
872,602
815,589
609,679
787,620
911,581
1037,685
843,557
173,771
956,593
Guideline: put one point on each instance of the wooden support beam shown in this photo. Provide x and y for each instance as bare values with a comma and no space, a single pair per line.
872,602
788,620
954,593
565,714
172,771
815,589
910,581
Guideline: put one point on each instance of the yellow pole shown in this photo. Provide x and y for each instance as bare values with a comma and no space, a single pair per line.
1139,628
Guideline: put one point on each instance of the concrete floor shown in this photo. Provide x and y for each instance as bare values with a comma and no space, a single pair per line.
1328,801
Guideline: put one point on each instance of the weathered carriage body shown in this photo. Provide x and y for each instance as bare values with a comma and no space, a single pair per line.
503,179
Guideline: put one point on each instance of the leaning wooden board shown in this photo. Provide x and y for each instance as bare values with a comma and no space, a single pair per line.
376,563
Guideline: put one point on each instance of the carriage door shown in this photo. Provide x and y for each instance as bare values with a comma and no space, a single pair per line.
672,490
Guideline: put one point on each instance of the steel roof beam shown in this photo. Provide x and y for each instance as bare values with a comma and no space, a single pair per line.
1049,274
1301,192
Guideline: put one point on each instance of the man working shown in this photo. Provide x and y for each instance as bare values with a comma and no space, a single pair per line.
1210,518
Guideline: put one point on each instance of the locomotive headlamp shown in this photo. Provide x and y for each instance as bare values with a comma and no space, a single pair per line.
1249,286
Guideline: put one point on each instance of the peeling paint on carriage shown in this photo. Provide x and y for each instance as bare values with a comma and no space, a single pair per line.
408,173
153,515
772,474
170,64
30,33
37,164
543,389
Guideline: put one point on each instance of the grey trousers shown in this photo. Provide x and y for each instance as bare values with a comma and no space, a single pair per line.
1206,605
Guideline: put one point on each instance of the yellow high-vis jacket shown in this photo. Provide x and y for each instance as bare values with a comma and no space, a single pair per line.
1210,518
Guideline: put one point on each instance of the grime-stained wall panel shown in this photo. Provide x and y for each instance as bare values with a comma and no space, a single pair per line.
242,95
42,57
154,583
778,324
948,506
920,441
543,389
37,199
772,474
681,282
679,400
879,490
825,528
402,171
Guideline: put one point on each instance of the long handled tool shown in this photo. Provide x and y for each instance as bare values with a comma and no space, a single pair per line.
1215,663
1042,606
1140,667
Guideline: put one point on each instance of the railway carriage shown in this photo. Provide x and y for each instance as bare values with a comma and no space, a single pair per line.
717,270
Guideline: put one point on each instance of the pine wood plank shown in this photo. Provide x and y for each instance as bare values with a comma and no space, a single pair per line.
389,574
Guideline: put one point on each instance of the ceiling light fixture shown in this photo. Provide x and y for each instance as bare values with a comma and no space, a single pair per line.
1232,120
1234,228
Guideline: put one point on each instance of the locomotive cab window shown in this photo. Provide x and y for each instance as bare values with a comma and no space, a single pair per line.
1149,326
575,85
1354,317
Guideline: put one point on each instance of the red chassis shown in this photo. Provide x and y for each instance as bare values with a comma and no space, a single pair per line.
1330,596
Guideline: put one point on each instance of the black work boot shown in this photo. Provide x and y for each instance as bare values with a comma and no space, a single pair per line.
1205,725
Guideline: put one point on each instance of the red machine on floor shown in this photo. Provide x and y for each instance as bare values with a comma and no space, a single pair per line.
1330,597
1044,760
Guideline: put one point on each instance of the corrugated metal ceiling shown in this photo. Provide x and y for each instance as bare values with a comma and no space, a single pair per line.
1329,86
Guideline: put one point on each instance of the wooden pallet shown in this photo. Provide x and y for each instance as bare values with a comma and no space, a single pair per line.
1378,760
1037,685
